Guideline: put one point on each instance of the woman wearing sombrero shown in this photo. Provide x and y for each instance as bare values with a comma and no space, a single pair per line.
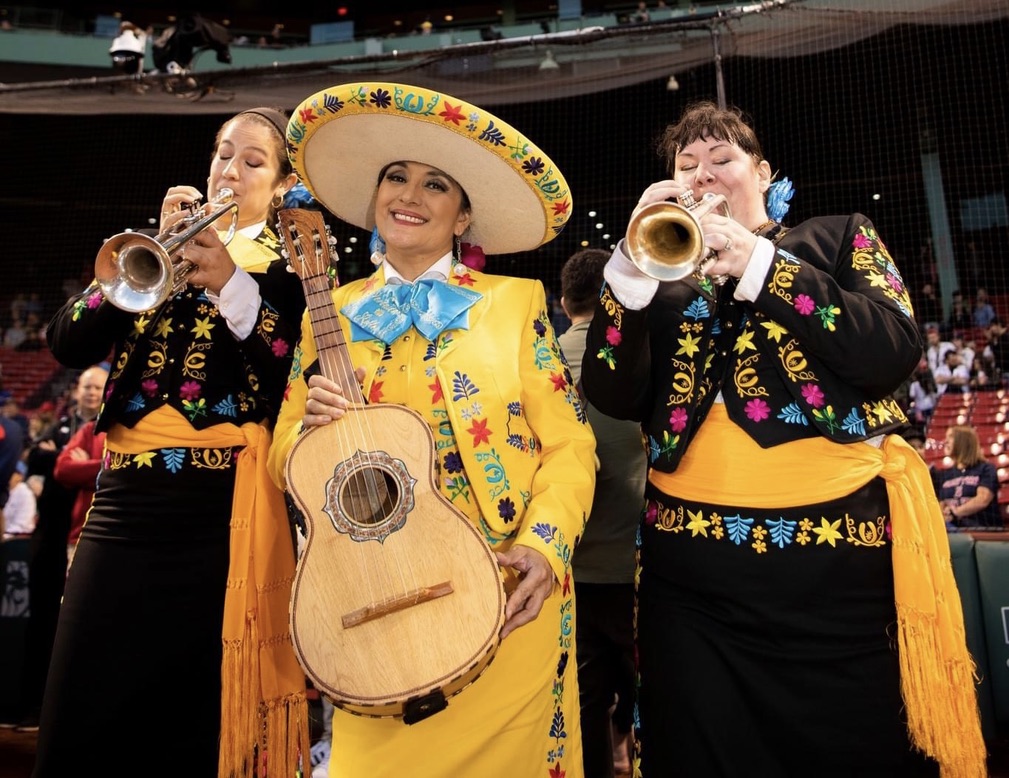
476,356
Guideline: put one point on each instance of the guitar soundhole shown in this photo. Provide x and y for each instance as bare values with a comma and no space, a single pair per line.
369,496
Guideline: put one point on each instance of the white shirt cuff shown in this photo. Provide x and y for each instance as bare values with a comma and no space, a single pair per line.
238,303
756,271
632,287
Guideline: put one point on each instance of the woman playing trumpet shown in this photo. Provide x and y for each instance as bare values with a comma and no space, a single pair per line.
795,595
161,622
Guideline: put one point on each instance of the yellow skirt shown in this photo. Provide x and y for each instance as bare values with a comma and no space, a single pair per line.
519,718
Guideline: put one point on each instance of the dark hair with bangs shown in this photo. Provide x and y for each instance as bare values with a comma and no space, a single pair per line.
703,120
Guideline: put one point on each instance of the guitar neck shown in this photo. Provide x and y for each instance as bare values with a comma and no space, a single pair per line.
330,342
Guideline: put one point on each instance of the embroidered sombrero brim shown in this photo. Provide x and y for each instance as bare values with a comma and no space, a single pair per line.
339,140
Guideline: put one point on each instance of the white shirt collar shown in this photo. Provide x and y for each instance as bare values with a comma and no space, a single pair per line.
439,271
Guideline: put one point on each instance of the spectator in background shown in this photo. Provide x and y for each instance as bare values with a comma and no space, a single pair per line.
959,314
12,410
603,565
983,310
995,355
968,490
15,334
923,393
77,467
11,446
935,347
21,510
928,307
952,374
48,560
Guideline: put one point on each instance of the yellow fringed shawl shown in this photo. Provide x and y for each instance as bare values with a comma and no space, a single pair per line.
264,709
937,672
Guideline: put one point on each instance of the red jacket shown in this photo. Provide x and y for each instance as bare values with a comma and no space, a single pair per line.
80,474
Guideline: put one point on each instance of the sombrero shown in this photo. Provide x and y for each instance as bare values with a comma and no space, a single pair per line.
339,140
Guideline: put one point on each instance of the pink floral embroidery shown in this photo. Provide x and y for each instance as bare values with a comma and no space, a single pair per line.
678,419
804,304
757,410
95,300
149,387
651,513
861,241
813,394
280,347
189,390
613,336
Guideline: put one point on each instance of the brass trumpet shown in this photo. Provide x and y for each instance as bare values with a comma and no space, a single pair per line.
137,272
665,240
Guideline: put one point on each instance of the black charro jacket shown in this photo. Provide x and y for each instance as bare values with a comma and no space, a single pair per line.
819,352
183,354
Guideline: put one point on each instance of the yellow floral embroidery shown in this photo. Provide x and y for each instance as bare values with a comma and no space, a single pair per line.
827,532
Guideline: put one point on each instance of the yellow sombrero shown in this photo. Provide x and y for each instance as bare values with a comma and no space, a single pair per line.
339,140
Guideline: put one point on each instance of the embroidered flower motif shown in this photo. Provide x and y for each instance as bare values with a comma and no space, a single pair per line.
189,390
280,347
453,462
533,166
813,394
149,387
613,336
757,410
861,241
452,113
479,432
381,98
678,419
506,510
651,513
804,304
95,300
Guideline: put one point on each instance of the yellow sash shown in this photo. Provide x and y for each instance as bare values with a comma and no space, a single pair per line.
263,702
725,466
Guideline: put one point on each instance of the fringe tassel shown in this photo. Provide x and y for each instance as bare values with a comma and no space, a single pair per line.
239,705
275,731
942,710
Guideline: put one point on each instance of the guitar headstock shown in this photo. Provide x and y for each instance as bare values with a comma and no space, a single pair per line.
308,244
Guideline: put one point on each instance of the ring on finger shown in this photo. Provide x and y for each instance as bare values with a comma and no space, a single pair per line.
728,244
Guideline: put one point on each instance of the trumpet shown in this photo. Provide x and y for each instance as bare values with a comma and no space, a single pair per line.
137,272
665,240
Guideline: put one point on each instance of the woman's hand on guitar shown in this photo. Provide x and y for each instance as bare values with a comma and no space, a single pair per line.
326,400
536,582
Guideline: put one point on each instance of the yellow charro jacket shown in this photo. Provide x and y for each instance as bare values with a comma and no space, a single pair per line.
522,436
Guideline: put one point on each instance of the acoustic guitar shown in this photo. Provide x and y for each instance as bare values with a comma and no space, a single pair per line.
397,601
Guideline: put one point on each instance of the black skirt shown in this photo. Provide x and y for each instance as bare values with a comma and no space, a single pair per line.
769,659
135,681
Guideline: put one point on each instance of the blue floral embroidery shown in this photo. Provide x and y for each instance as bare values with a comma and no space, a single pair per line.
782,531
698,309
792,414
135,403
853,423
173,458
227,407
738,528
462,387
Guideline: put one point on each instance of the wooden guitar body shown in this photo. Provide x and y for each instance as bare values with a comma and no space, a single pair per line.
397,601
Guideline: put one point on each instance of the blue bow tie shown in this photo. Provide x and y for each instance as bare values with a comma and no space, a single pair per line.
430,306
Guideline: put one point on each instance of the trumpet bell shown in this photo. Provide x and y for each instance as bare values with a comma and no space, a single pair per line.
137,272
134,271
665,241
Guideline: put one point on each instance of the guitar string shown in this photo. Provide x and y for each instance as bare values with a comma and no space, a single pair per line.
337,365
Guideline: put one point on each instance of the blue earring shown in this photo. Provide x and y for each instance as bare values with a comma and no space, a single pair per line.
377,247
